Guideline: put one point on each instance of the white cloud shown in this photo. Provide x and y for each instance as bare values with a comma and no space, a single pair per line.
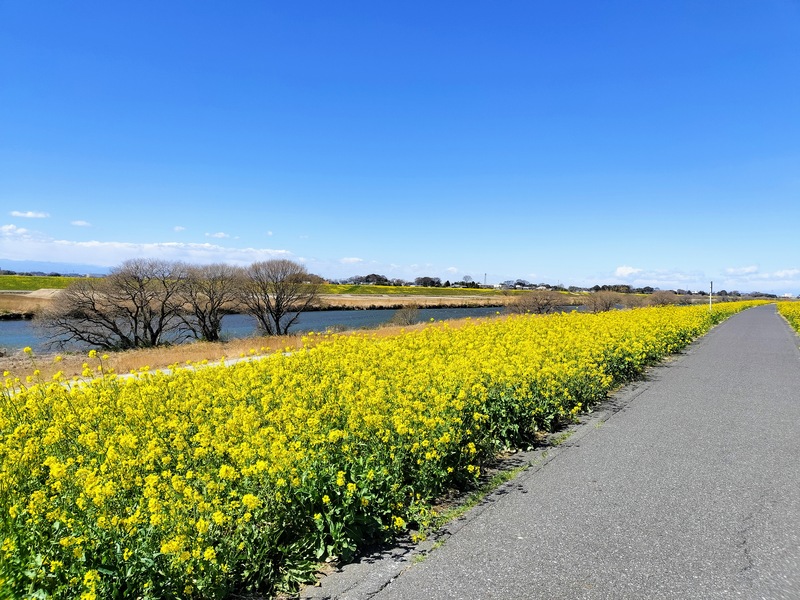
351,260
219,235
109,254
179,228
29,214
741,270
451,270
80,223
787,273
13,231
659,278
269,234
750,279
625,271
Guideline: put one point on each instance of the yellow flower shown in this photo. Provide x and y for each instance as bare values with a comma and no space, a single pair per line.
251,501
227,472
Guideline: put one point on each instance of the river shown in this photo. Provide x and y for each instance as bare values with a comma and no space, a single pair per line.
15,335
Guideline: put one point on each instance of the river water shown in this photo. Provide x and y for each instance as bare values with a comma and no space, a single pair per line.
15,335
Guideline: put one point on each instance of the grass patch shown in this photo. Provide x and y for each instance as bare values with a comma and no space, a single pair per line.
31,283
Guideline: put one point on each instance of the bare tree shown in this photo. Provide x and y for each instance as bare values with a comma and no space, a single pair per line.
603,301
407,315
662,298
136,306
632,300
538,302
208,293
275,292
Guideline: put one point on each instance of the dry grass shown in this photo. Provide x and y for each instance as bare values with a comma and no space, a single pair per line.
390,301
22,304
153,358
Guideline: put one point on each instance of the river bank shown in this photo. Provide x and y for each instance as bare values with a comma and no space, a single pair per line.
239,332
16,305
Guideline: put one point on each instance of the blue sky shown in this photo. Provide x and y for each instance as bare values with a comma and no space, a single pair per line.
575,142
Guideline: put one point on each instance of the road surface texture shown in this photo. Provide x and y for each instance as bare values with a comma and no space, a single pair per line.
686,485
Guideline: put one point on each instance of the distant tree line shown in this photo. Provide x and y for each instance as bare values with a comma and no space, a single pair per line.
144,303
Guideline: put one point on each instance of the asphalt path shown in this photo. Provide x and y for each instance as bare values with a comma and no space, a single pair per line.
686,485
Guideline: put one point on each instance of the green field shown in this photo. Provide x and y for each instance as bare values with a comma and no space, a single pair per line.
31,283
36,282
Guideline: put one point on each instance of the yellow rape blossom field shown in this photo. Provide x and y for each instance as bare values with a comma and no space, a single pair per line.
208,482
791,312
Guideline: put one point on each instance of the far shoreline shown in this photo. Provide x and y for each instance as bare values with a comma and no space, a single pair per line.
41,298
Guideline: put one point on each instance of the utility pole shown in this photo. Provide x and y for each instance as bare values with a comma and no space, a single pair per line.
711,296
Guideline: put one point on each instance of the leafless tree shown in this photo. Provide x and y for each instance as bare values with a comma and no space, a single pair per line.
603,301
632,300
662,298
208,293
538,302
136,306
407,315
275,292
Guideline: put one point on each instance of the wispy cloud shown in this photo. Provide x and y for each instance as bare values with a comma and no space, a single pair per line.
81,223
109,254
29,214
626,271
10,231
788,274
179,228
351,260
452,270
269,234
741,270
659,278
752,279
744,279
219,235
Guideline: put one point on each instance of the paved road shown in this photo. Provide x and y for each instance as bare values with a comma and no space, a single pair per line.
686,487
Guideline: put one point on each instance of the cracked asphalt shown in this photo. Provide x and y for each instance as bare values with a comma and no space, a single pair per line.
684,485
